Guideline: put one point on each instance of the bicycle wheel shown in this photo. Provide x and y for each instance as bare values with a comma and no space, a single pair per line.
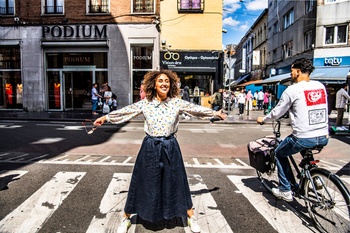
269,179
332,212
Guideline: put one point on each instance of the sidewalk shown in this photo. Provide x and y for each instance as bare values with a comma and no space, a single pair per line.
233,117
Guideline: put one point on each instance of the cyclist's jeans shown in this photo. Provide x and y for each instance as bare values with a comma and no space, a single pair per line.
292,145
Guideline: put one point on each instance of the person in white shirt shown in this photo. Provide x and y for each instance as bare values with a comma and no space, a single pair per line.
340,103
260,99
306,101
241,102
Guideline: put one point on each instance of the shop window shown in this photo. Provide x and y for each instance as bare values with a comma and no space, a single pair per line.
7,7
142,62
308,40
98,6
10,78
308,6
336,35
188,6
143,6
52,6
288,49
288,19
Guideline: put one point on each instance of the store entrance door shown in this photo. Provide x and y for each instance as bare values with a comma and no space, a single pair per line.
77,90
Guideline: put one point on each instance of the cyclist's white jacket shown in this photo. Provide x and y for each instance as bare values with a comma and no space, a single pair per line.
307,106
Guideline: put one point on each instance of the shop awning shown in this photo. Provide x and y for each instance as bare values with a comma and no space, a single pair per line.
275,79
240,79
249,83
330,75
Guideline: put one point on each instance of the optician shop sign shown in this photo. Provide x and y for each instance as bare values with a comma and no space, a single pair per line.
188,58
74,31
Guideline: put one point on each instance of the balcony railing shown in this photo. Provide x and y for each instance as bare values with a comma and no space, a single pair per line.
53,9
98,9
7,10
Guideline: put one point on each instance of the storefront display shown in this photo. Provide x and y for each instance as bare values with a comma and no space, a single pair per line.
10,78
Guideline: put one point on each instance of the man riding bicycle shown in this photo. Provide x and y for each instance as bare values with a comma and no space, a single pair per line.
306,101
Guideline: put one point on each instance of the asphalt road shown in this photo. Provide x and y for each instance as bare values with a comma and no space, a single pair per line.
36,156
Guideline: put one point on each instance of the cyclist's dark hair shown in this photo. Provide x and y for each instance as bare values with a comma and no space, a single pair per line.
304,65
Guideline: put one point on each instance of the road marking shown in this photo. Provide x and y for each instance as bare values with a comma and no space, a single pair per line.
278,213
39,157
48,140
209,217
331,165
196,162
112,205
10,126
243,163
38,208
18,157
219,162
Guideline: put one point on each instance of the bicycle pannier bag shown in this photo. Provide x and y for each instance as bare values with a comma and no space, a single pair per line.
259,153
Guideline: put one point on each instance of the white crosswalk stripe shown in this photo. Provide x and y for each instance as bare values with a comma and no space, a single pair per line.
34,212
112,205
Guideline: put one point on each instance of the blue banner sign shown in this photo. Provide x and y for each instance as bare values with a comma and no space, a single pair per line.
332,61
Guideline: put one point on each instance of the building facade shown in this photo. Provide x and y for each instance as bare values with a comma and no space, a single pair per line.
51,53
191,44
317,30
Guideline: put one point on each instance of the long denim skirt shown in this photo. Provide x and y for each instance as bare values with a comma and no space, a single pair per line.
159,186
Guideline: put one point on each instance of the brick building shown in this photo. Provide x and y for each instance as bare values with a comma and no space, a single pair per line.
52,52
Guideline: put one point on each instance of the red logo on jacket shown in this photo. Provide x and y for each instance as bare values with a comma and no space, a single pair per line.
315,97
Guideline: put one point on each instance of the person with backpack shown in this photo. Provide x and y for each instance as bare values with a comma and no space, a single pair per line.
216,100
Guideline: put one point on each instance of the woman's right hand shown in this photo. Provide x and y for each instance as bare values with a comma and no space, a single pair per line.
100,121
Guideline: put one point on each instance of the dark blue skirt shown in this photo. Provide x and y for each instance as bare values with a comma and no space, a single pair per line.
159,187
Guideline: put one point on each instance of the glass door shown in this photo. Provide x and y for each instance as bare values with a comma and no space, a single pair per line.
68,90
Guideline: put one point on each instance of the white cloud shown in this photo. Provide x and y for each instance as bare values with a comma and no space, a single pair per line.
230,6
230,22
256,5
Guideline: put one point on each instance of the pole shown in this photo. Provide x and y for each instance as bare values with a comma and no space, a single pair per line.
229,85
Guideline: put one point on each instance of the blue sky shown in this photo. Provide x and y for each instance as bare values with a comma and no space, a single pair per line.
238,16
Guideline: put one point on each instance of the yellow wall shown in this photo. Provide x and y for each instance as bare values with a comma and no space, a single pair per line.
191,31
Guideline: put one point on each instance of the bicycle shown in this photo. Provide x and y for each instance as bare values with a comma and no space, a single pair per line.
326,197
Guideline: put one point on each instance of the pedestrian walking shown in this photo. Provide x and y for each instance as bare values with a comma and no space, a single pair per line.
159,188
241,102
340,104
260,99
249,104
266,102
94,98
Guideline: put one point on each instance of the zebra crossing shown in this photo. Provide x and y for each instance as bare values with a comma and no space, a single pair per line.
129,160
31,215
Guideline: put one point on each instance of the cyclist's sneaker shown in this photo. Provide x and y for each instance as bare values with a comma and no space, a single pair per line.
124,225
318,182
193,224
284,195
340,128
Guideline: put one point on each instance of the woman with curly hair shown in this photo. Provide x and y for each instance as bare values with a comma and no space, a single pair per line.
159,188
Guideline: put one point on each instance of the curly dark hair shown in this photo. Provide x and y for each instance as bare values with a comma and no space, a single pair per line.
304,64
150,83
